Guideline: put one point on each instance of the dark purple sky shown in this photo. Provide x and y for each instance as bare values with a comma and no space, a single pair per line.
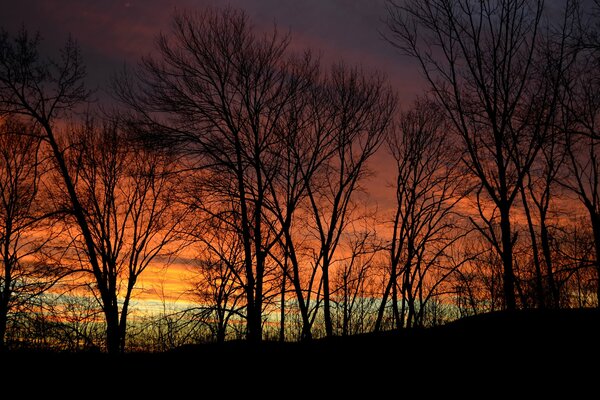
112,32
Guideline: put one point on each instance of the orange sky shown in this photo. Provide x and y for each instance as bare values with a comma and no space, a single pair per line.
114,33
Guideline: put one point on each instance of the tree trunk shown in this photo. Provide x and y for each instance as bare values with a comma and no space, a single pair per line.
395,310
507,260
3,322
113,334
220,326
282,307
254,318
410,299
346,316
123,319
258,298
545,242
252,334
326,299
5,296
306,333
220,334
384,298
539,285
252,331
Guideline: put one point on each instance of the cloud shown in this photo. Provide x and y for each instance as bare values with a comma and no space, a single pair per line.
113,32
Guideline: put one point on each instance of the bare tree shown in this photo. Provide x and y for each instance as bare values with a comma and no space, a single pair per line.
221,95
127,197
479,286
306,147
482,62
354,283
576,272
74,319
44,90
580,123
219,286
28,269
360,109
424,227
539,188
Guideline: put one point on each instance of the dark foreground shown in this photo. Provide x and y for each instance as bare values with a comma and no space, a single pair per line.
508,354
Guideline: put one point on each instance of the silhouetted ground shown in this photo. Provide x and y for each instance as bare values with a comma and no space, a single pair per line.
495,355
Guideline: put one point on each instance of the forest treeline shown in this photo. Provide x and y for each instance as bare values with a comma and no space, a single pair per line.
249,163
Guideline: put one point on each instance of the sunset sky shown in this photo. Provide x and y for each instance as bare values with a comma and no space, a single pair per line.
113,34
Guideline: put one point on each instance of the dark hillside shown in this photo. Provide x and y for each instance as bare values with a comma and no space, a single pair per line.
530,346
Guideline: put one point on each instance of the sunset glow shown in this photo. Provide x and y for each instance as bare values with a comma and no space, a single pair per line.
182,172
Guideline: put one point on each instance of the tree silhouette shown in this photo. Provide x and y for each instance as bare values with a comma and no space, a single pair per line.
28,266
482,63
254,157
580,112
227,97
360,110
219,283
45,90
128,200
424,226
223,90
354,285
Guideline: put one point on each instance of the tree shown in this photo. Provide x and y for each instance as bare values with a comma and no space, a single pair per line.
335,123
28,269
580,124
482,62
574,251
220,95
424,226
539,187
45,90
127,198
219,286
582,147
354,293
359,110
305,145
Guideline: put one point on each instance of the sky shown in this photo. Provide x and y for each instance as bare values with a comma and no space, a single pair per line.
112,34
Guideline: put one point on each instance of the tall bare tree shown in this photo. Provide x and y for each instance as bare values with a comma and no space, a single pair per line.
482,62
127,197
424,225
307,145
580,123
222,96
360,109
25,231
583,145
46,90
539,189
